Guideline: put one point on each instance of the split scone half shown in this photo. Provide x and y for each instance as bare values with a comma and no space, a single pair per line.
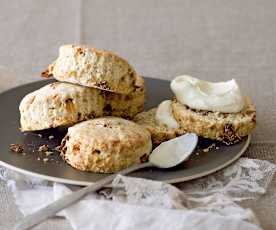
106,145
63,104
159,132
91,67
226,127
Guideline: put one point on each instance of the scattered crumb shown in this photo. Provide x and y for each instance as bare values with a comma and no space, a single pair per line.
45,159
58,148
17,148
39,135
206,150
197,153
48,153
38,158
43,148
217,147
51,137
24,154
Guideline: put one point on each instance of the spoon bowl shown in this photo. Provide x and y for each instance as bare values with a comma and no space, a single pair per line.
173,152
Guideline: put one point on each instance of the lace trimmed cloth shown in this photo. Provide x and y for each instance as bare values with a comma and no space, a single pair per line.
218,194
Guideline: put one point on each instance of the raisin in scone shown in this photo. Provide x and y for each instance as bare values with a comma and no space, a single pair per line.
106,145
62,104
226,127
159,132
91,67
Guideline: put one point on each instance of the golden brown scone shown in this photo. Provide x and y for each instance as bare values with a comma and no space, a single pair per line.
62,104
91,67
106,145
226,127
122,105
159,132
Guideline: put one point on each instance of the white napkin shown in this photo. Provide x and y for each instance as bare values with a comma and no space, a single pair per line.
134,203
102,214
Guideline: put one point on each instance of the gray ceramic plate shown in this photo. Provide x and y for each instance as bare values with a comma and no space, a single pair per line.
55,169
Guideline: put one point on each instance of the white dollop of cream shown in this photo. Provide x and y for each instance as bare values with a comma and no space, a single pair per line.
222,97
165,116
171,153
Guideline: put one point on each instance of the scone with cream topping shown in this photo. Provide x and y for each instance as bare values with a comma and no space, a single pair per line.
106,145
91,67
62,104
226,127
160,131
216,111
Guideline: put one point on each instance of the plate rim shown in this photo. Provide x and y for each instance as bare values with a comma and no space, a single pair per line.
170,181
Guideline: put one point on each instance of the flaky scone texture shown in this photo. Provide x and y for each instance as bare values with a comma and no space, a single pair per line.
106,145
91,67
159,132
226,127
62,104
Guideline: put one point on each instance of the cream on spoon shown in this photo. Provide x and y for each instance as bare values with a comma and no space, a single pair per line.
171,153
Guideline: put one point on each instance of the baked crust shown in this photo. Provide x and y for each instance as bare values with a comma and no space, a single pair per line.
122,105
62,104
226,127
159,132
91,67
105,145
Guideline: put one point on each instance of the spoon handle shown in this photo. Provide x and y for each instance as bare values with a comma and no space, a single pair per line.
62,203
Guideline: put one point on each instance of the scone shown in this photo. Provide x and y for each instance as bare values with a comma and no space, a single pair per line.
124,105
62,104
106,145
159,132
226,127
91,67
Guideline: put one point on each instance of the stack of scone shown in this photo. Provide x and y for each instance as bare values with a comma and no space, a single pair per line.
91,83
217,111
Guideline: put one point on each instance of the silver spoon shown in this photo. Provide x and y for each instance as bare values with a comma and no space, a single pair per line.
166,155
